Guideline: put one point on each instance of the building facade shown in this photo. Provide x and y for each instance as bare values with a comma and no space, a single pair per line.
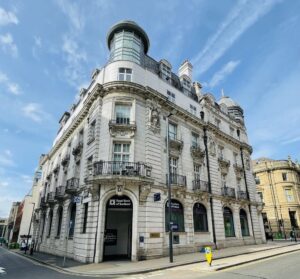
3,228
278,185
104,180
13,232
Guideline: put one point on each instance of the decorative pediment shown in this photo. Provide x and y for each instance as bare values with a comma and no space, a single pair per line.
197,153
125,130
224,165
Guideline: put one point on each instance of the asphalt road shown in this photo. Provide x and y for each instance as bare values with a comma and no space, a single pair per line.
285,266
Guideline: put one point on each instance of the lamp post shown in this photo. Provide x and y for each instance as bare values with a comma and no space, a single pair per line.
169,194
209,183
29,227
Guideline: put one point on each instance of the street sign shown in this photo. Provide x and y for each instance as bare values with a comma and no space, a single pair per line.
174,227
208,255
76,199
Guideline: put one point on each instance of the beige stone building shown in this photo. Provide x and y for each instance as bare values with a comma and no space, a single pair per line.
104,180
278,185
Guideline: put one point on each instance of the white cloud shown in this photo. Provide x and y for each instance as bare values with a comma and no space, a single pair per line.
11,86
34,112
7,17
220,75
241,17
6,158
73,12
8,46
74,57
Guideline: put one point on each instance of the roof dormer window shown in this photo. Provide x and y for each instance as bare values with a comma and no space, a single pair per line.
165,70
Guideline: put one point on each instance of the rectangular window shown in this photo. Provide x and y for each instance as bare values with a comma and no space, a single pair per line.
235,157
284,176
85,216
197,170
121,152
173,165
122,113
289,195
125,74
90,165
260,194
195,140
193,110
221,152
172,131
171,96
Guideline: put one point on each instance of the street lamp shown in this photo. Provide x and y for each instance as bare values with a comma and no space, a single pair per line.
169,192
30,227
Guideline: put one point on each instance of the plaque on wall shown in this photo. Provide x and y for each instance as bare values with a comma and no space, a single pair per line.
154,235
119,202
110,237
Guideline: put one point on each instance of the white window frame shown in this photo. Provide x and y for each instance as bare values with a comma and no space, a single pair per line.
125,74
197,171
289,195
193,109
126,119
173,163
195,140
122,153
173,135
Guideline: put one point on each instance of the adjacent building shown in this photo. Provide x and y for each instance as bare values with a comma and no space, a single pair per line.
3,228
278,185
105,192
11,222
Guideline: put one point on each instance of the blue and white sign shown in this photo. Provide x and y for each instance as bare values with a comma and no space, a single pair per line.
77,199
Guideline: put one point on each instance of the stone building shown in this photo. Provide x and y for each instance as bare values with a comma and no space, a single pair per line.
12,226
104,180
3,228
278,184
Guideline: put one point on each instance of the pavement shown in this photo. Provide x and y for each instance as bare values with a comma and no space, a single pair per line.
223,258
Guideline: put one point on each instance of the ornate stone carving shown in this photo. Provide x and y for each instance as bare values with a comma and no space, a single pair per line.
144,192
125,130
120,189
211,146
238,169
154,119
224,165
198,154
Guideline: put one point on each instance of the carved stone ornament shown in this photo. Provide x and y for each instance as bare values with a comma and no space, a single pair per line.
119,189
154,119
238,169
144,192
198,154
212,147
224,165
122,130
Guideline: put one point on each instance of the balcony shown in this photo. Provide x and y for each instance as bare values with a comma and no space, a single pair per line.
60,192
115,168
178,180
197,153
65,160
77,150
223,164
72,185
51,198
43,202
122,127
242,195
200,185
228,192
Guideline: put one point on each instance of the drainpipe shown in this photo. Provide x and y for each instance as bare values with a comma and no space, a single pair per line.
209,184
96,234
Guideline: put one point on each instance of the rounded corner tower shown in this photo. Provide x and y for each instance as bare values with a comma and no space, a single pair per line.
126,40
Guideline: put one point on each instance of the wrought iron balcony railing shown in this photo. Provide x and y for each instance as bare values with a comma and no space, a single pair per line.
51,197
72,185
178,180
242,195
121,121
228,192
200,185
122,168
60,192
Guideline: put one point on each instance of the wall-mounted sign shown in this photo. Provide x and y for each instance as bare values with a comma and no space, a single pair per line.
175,205
119,202
76,199
110,237
157,197
154,235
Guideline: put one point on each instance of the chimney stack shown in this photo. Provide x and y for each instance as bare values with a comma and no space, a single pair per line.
186,68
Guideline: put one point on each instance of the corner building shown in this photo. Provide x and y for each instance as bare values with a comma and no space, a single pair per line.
105,186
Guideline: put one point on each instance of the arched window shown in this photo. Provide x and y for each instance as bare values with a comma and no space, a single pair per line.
71,224
50,222
200,218
244,223
59,220
43,227
228,222
177,216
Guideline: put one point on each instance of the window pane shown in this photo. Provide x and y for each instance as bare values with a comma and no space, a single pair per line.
200,218
117,147
177,215
126,147
228,222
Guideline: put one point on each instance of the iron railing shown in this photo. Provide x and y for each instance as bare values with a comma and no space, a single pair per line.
51,197
72,185
176,179
121,121
122,168
242,195
200,185
228,192
59,192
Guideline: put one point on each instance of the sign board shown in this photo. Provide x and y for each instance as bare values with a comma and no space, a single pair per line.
174,227
110,237
85,200
157,197
176,239
76,199
119,202
208,255
154,235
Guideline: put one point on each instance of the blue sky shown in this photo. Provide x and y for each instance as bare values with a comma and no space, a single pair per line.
48,50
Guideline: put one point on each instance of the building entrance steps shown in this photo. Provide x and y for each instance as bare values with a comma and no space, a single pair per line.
222,259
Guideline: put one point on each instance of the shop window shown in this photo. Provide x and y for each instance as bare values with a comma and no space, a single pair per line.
50,222
59,220
228,222
85,217
72,220
177,217
244,223
200,218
